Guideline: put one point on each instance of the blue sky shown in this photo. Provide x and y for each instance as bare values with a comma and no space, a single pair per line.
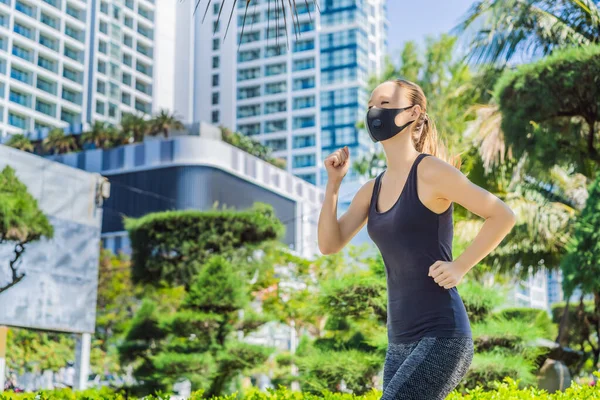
414,20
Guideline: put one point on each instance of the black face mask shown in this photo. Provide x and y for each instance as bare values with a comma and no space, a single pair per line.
381,123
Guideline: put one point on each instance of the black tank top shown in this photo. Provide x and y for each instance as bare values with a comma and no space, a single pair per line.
410,238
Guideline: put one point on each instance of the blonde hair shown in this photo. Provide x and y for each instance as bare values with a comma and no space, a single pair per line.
424,133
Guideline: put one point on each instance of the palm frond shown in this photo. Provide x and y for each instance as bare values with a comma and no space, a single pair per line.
291,9
498,30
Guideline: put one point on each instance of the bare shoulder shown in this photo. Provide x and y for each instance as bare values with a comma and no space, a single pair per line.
363,195
434,170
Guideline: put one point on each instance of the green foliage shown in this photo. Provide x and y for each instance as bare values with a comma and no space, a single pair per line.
170,247
500,30
20,142
34,351
250,146
539,319
549,109
479,300
507,389
21,221
197,341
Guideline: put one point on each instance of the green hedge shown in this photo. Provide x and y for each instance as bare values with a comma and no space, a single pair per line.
506,390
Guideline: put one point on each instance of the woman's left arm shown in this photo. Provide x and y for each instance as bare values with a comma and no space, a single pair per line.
450,183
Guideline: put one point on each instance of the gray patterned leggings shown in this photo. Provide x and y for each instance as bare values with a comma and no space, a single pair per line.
426,369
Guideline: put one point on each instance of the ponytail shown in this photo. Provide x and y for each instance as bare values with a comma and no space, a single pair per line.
424,132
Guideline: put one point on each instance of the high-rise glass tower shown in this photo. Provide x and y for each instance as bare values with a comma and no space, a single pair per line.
299,88
64,63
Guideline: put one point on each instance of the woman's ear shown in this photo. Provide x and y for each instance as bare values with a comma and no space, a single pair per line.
416,111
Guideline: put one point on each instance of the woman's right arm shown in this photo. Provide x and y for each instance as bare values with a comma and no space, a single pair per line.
334,234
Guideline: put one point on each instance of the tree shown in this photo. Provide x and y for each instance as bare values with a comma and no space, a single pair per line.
134,127
101,135
163,122
550,109
193,336
581,265
20,142
500,30
21,222
57,142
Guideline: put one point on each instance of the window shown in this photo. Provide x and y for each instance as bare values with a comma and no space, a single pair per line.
248,55
73,54
304,45
71,95
276,144
143,68
129,4
22,52
216,7
127,60
126,98
103,27
104,7
128,21
142,106
50,21
21,75
304,122
304,141
101,87
71,74
102,47
75,12
216,26
304,64
23,30
304,160
216,44
251,110
215,117
46,85
45,108
19,98
99,107
249,73
74,33
48,42
145,13
48,64
145,50
304,102
215,98
249,37
147,32
215,62
143,87
275,87
248,92
275,106
249,129
273,51
17,120
215,80
304,83
128,41
54,3
68,116
310,178
126,79
276,125
112,110
275,69
25,9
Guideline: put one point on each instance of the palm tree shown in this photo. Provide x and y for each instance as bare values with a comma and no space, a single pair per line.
20,142
501,29
163,122
101,135
58,143
134,127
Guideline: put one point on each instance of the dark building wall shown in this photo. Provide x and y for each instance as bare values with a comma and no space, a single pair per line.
177,188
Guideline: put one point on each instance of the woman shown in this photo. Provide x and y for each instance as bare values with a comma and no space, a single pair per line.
408,211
